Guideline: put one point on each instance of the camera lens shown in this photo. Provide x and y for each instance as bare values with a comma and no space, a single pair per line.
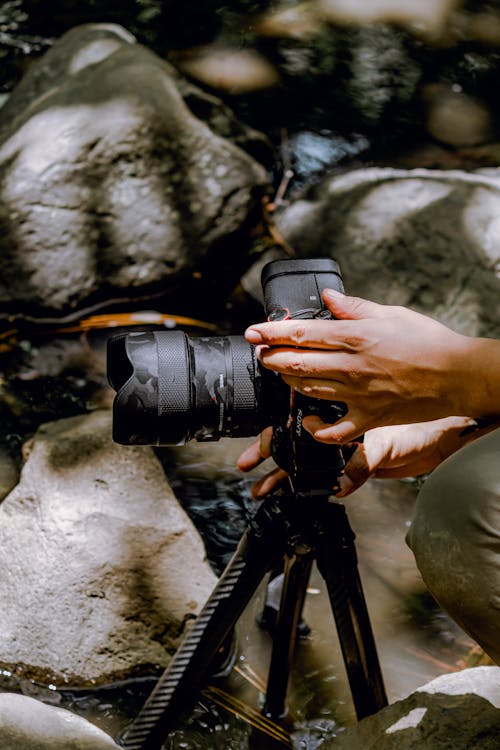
172,388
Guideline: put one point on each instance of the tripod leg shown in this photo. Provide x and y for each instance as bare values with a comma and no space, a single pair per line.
337,563
255,555
297,571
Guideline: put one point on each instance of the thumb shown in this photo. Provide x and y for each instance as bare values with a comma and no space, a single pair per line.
361,466
352,308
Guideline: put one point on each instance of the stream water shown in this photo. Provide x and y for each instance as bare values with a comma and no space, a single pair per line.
415,640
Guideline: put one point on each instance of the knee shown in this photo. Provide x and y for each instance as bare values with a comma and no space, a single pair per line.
455,537
443,513
440,528
456,524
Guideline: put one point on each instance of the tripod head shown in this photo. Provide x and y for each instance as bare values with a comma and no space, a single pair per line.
313,468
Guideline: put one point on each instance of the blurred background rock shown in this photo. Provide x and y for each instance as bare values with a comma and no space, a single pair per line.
366,130
384,67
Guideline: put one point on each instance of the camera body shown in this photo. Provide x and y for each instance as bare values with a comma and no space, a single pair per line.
293,290
171,388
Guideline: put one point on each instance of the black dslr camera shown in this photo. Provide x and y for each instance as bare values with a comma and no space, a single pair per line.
172,388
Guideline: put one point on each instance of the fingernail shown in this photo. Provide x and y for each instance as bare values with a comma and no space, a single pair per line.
345,484
253,336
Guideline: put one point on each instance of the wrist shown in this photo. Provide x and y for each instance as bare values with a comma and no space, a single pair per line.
478,377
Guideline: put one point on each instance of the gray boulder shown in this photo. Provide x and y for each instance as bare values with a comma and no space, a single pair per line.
102,569
110,187
427,239
27,724
459,710
9,474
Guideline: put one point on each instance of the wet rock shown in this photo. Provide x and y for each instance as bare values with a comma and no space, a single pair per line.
355,79
110,186
31,725
383,75
301,21
221,119
482,26
427,239
234,70
102,570
459,710
427,18
9,473
455,118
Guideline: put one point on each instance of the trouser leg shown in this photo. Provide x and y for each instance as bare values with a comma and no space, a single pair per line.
455,537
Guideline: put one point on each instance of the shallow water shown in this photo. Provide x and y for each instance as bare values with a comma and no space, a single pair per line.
415,640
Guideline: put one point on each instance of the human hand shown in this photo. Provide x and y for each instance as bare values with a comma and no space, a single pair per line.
390,365
254,455
391,452
399,451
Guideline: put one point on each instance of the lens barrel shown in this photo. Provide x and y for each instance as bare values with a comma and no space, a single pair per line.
171,388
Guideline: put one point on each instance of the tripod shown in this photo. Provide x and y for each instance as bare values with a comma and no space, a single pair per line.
299,527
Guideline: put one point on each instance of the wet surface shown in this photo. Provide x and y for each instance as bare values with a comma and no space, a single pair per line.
415,640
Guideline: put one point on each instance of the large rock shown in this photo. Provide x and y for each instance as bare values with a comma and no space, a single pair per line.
458,710
110,186
427,239
27,724
101,568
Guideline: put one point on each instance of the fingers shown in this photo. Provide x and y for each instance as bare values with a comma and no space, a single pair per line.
363,464
315,333
308,363
319,334
353,308
257,452
253,456
344,431
356,472
330,390
268,483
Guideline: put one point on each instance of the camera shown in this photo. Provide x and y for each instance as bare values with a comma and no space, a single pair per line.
172,388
